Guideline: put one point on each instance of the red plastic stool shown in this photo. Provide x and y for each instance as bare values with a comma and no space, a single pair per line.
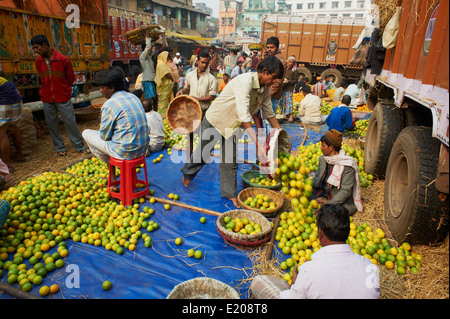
128,179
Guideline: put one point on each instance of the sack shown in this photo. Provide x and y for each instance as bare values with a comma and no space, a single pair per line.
28,134
359,58
277,141
390,32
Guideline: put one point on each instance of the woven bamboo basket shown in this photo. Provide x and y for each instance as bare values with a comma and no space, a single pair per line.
184,114
87,114
276,197
137,36
248,175
235,47
203,288
253,240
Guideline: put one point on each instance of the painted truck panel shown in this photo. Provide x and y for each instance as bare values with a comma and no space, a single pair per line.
121,21
87,46
417,68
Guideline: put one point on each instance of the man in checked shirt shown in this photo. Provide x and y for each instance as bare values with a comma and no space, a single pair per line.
123,132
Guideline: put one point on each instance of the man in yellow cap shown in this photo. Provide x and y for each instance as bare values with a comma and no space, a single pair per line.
337,177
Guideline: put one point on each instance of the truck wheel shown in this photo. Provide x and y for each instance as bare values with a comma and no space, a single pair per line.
385,124
304,72
413,210
335,75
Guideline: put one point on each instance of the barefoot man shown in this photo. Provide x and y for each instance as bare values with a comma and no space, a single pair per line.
242,98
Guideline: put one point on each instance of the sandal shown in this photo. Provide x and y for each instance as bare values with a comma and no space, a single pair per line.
61,153
86,151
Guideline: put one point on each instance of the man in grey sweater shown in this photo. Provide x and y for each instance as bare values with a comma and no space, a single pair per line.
337,177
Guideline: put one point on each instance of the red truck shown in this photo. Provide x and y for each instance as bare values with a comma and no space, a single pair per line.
408,134
322,46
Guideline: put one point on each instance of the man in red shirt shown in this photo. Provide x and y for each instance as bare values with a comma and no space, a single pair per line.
57,77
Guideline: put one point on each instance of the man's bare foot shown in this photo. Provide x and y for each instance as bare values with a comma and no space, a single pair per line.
185,182
235,202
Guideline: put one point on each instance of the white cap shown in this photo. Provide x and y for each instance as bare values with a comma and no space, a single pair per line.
178,53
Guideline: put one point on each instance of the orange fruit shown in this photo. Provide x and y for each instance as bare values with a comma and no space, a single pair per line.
54,288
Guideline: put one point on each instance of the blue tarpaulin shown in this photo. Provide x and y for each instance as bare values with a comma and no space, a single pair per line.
153,272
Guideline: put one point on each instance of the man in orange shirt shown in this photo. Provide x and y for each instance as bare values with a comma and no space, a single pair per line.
226,79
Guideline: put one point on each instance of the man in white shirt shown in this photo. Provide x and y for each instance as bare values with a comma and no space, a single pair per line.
310,108
334,271
155,126
353,91
339,93
177,58
202,85
242,98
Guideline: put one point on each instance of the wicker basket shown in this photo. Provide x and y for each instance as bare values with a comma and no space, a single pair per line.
235,47
137,36
276,197
253,240
248,175
87,114
184,114
203,288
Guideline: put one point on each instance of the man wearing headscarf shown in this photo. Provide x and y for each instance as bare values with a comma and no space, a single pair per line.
337,177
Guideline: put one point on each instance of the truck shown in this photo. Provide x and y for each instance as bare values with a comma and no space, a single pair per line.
123,53
322,46
75,28
408,132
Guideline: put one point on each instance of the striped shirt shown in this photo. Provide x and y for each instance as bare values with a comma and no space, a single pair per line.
124,125
335,272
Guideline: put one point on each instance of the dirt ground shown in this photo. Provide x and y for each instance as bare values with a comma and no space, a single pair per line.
432,281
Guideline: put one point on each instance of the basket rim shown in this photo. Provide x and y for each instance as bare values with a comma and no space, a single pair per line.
263,212
216,282
247,182
252,243
172,104
266,231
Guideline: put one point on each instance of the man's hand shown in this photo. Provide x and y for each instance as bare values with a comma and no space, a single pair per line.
322,200
294,274
261,152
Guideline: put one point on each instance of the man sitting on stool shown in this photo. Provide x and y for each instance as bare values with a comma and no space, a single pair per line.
123,132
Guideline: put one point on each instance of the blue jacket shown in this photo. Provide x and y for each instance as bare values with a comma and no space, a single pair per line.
340,118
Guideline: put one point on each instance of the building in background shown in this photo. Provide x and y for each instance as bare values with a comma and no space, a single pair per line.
325,8
252,13
230,12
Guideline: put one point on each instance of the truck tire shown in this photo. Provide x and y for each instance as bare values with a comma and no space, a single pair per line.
335,74
304,72
413,210
385,124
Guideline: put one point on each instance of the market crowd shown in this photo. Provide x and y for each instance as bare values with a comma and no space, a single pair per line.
253,89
